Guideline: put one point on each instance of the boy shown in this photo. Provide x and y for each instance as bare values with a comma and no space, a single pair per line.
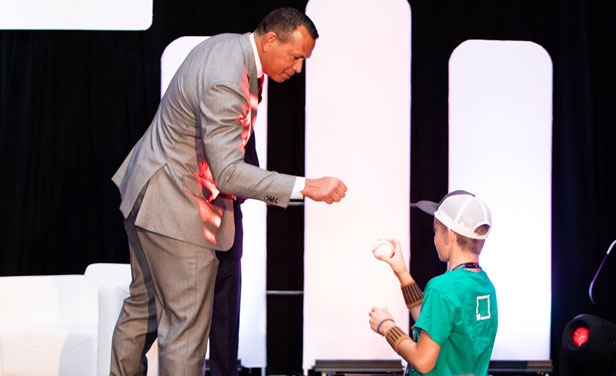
456,320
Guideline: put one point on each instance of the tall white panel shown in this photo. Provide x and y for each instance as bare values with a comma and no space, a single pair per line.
76,14
357,129
500,147
252,342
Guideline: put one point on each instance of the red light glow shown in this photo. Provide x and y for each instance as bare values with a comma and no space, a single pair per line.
580,336
205,178
249,112
208,212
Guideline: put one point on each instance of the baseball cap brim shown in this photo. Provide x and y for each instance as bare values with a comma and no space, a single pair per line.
427,206
431,207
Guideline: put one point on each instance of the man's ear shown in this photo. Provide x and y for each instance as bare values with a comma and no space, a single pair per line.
269,40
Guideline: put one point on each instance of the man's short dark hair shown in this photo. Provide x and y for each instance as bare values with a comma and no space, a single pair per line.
284,21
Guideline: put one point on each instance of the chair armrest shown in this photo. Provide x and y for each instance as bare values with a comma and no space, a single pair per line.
110,299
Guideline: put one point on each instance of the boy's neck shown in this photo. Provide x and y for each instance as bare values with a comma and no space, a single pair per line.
458,256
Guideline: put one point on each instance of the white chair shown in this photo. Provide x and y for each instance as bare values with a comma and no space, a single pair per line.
62,324
110,298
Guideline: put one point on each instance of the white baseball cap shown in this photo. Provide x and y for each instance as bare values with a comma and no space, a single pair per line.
461,211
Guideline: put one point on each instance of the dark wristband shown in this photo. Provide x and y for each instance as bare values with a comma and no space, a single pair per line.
413,296
394,336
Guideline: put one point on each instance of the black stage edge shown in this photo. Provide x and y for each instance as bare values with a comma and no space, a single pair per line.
241,370
394,367
520,367
358,367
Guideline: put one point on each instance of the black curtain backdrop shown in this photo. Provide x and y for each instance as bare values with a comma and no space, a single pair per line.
73,103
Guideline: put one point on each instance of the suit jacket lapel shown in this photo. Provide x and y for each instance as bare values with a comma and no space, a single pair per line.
249,61
250,153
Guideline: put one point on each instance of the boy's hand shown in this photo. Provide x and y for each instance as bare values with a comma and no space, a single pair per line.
397,263
381,314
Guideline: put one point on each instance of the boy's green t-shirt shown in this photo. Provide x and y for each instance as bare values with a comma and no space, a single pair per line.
459,312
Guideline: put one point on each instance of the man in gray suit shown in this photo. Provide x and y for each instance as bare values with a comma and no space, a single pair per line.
180,181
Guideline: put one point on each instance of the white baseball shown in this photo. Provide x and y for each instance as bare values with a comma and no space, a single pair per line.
383,248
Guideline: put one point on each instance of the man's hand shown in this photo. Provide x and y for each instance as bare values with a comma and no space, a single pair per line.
326,189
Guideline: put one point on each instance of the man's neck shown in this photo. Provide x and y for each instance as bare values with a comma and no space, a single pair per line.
255,41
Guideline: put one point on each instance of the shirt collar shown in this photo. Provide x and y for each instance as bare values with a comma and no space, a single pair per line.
256,52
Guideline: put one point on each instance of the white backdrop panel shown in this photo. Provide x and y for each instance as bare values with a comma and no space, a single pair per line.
252,312
500,147
76,14
357,129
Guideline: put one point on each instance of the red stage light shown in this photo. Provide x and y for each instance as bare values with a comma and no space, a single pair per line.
580,336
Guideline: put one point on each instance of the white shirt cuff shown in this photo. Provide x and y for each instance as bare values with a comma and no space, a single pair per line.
300,184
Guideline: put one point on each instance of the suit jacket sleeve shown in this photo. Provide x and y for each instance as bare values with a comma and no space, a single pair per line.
225,117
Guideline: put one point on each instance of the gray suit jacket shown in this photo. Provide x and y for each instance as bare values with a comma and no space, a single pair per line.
191,158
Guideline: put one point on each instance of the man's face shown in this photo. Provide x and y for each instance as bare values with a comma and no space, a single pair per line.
282,60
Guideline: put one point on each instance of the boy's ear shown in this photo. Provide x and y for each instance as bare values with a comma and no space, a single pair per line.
450,236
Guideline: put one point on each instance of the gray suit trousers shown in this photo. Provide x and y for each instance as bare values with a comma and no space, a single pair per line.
173,284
